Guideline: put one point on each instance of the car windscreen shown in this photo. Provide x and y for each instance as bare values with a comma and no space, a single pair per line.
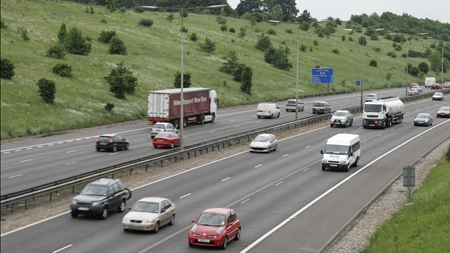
339,114
337,149
211,219
163,135
422,115
94,190
372,108
318,104
262,139
147,207
159,126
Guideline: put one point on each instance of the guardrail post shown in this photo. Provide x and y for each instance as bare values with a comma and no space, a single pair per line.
73,189
26,204
51,196
12,208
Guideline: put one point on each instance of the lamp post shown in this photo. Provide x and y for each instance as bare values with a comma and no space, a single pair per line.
296,71
407,71
362,58
442,66
182,122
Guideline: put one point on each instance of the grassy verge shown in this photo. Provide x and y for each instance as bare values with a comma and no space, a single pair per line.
423,226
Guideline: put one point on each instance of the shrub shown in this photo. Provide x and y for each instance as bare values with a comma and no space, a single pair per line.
47,90
336,51
373,63
316,43
193,37
392,54
109,107
377,49
278,58
263,43
242,33
232,30
7,69
423,66
62,69
103,21
388,76
123,9
414,71
121,81
231,62
398,48
116,46
186,80
146,22
271,31
138,9
302,48
208,46
246,78
23,33
75,43
3,24
304,26
105,36
223,28
56,51
350,39
62,33
343,37
170,17
373,37
221,20
289,31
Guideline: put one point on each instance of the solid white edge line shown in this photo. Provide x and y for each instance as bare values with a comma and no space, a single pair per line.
63,248
293,216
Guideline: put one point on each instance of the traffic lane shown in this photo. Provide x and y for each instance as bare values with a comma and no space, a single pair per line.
310,229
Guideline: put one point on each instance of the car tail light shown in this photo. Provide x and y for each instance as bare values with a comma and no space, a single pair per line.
111,140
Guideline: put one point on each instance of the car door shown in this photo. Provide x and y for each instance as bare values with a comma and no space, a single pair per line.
119,141
232,228
114,196
165,212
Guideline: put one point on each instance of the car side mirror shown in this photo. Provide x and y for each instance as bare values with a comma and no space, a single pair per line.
351,154
129,208
193,221
321,151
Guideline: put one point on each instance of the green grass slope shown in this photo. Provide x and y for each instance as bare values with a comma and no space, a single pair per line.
154,56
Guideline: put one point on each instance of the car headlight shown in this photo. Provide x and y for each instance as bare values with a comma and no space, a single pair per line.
193,228
96,203
342,162
324,160
219,231
125,219
149,221
74,202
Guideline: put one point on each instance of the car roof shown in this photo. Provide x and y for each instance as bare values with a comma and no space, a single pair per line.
152,199
444,107
265,134
341,111
108,135
218,210
372,94
162,123
104,181
320,101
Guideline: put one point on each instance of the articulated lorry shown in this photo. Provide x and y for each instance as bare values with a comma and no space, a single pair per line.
383,112
200,106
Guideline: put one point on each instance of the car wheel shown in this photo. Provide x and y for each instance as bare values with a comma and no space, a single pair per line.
323,168
114,149
156,230
351,122
275,149
258,117
172,145
176,123
172,220
98,149
238,235
346,168
74,214
127,146
287,110
278,115
202,119
122,207
331,125
184,122
225,243
356,162
155,146
104,214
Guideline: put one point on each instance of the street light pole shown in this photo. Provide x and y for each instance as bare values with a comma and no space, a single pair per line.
442,66
407,71
362,73
296,83
181,121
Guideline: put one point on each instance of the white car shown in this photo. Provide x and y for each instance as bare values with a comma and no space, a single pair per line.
290,105
149,214
341,118
264,143
162,127
446,85
370,97
438,96
413,92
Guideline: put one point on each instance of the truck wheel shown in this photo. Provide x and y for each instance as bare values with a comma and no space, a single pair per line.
202,119
213,118
176,123
184,122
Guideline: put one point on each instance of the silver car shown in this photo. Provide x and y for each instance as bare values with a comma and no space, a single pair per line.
264,143
413,92
438,96
372,96
290,105
341,118
423,119
162,127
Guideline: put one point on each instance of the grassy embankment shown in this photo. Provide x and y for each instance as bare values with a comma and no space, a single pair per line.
154,57
424,225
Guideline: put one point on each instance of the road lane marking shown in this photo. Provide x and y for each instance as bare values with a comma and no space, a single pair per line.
70,163
16,176
68,152
63,248
285,155
279,183
257,166
24,161
225,179
308,146
242,202
184,196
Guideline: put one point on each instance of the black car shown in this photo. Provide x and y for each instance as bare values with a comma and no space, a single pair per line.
112,142
100,197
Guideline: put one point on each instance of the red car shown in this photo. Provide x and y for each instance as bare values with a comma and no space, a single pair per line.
444,111
166,139
435,86
215,227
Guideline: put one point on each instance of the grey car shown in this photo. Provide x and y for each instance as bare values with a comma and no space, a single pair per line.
341,118
264,143
423,119
321,107
290,105
100,197
162,127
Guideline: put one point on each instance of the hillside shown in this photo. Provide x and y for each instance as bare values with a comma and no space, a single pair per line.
154,56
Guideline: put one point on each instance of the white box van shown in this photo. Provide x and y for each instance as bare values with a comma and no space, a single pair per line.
268,110
429,81
341,152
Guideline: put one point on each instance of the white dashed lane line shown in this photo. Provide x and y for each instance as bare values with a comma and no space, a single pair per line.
184,196
16,176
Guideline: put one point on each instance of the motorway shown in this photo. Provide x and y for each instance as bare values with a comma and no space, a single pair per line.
29,163
286,188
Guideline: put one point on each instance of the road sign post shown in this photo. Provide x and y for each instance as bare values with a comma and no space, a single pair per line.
409,178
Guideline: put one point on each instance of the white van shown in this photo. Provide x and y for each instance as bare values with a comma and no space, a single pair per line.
429,81
268,110
341,152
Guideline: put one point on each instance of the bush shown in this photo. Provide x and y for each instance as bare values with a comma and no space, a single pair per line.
116,46
343,37
373,63
414,71
388,76
105,36
186,80
223,28
138,9
23,33
193,37
336,51
208,46
146,22
423,66
109,107
7,69
246,78
75,43
47,90
3,24
232,30
392,54
221,20
316,43
56,51
121,81
302,48
231,62
103,21
242,32
278,58
271,31
377,49
289,31
62,69
170,17
263,43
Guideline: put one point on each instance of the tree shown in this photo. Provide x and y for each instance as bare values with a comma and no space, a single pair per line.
116,46
62,69
56,51
288,8
231,62
106,36
278,58
62,33
170,17
7,69
249,6
362,41
47,90
414,71
304,17
186,80
242,33
263,43
435,61
423,67
208,46
111,5
75,43
246,79
121,81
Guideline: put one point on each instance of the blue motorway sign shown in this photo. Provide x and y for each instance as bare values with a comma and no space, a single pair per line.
358,83
323,75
